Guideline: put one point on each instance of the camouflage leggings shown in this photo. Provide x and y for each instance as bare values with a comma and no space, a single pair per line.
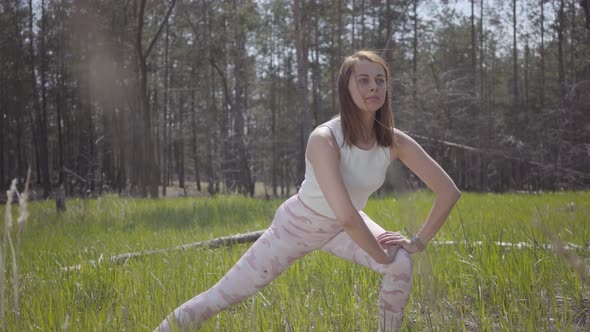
296,231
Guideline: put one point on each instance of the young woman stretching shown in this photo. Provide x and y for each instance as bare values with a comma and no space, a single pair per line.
346,161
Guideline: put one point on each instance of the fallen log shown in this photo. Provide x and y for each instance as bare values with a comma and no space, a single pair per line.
213,243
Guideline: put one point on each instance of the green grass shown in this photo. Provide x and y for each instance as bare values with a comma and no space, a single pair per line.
456,287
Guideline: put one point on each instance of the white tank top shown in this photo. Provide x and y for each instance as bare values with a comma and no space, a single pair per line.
363,172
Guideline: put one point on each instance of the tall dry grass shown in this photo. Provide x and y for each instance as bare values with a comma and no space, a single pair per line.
14,252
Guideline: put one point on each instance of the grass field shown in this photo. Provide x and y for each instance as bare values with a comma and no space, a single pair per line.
460,287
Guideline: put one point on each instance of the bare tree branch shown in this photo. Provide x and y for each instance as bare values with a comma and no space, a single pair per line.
160,28
394,29
506,156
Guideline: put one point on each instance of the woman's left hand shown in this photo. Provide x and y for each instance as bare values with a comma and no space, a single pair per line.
390,239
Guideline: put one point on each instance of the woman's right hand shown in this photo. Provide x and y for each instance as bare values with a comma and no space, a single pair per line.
396,239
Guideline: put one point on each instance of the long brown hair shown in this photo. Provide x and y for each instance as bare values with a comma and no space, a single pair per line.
349,112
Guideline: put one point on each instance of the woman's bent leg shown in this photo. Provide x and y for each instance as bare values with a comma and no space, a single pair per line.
291,236
396,284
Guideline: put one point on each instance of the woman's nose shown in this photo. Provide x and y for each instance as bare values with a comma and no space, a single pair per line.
373,86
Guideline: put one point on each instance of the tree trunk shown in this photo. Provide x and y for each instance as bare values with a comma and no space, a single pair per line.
85,124
159,136
194,128
228,164
40,129
526,82
147,163
473,50
212,107
482,79
515,92
301,52
338,57
180,145
415,62
388,30
316,71
352,25
560,26
7,109
60,105
19,107
572,66
289,108
173,105
362,24
240,106
571,129
273,121
542,56
165,163
44,138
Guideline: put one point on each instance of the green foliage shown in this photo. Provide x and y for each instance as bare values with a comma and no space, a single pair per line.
463,286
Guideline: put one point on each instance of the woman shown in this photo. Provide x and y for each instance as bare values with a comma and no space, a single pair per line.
346,161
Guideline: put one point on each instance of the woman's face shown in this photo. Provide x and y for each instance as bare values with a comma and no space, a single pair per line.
368,85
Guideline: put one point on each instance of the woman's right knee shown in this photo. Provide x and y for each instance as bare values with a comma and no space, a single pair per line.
401,267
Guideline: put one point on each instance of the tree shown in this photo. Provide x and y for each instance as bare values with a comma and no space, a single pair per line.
40,127
473,49
145,161
515,90
301,49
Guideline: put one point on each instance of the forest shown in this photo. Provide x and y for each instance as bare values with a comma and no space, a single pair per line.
134,96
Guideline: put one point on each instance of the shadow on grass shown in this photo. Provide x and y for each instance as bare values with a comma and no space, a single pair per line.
162,218
204,214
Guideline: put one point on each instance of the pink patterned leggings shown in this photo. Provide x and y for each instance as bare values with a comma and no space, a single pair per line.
296,231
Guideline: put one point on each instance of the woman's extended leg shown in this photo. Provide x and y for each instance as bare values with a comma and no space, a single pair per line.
292,235
396,284
262,263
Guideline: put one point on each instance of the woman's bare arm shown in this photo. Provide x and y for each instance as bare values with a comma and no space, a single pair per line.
408,151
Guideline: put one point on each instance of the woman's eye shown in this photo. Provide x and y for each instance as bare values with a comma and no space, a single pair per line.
380,81
364,81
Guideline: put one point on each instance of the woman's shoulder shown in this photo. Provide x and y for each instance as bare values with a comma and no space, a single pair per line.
402,141
401,138
330,129
333,123
321,142
327,133
321,132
